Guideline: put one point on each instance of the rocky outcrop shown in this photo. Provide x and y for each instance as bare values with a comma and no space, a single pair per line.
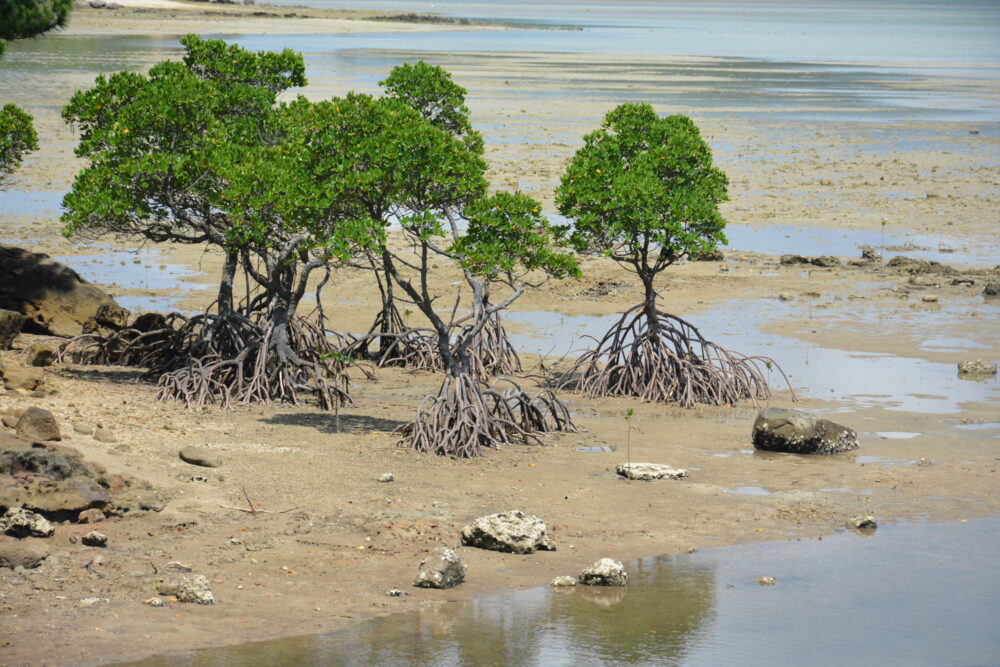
11,323
511,532
56,481
19,522
649,471
53,298
824,261
920,266
442,569
605,572
796,432
38,424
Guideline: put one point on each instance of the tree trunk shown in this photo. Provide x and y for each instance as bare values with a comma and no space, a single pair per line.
226,284
649,305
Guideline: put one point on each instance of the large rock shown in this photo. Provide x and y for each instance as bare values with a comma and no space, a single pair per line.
796,432
19,522
19,377
194,589
442,569
53,298
511,532
649,471
605,572
992,288
920,266
26,554
38,424
42,353
11,323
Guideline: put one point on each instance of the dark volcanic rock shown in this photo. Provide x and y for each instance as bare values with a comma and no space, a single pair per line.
796,432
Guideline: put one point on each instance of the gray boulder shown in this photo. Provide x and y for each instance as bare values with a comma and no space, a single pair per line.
19,522
442,569
193,589
38,424
605,572
796,432
649,471
511,532
198,456
95,539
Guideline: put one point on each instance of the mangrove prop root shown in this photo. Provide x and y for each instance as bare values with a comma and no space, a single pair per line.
465,418
671,362
490,354
225,360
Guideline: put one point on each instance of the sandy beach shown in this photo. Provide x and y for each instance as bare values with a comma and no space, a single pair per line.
329,540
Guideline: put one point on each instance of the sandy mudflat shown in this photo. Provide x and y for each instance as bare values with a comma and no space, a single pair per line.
334,539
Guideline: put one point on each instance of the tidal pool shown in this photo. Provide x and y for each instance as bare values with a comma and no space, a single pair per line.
907,594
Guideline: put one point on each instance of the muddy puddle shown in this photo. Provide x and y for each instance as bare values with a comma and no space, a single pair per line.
856,379
906,594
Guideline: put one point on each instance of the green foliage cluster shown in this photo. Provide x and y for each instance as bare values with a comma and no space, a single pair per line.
17,137
20,19
643,190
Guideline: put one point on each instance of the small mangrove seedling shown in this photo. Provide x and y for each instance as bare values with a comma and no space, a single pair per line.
628,437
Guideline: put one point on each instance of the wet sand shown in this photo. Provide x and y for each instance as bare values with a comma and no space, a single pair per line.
333,539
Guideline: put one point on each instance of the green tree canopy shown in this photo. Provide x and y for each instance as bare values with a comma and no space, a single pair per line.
20,19
17,137
643,190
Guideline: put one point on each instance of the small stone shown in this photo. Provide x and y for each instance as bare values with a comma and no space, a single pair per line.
19,522
929,298
977,367
649,471
387,477
785,296
89,602
393,593
442,569
38,424
95,539
83,429
923,463
154,602
605,572
194,589
992,288
104,435
866,522
198,456
765,581
565,580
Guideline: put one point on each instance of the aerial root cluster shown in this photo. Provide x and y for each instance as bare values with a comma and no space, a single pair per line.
670,361
225,360
465,418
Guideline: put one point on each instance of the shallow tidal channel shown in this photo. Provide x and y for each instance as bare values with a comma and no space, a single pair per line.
907,594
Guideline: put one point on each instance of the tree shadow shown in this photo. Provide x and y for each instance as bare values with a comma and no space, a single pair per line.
335,423
107,375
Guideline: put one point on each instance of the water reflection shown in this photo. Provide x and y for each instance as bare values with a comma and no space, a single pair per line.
911,594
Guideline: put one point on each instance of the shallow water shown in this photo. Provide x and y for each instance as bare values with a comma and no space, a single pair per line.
909,594
856,379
